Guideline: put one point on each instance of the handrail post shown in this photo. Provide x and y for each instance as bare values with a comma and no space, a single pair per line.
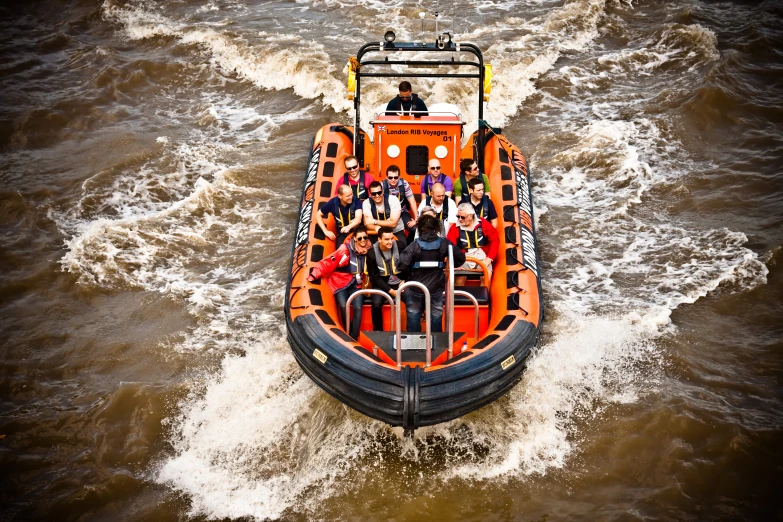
398,328
363,291
475,306
450,303
428,328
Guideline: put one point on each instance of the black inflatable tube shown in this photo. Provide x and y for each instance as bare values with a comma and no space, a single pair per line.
414,398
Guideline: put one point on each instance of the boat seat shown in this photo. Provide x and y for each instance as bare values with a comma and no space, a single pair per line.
481,293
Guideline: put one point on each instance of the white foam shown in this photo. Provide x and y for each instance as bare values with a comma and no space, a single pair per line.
262,439
306,68
592,363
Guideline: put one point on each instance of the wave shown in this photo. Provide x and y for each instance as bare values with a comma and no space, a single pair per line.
266,66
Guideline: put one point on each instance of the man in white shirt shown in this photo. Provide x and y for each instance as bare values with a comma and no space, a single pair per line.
383,211
445,209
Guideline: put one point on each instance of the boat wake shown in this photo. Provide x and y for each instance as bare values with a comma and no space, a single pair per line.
188,219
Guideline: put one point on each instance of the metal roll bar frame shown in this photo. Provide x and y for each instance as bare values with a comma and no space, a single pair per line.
448,47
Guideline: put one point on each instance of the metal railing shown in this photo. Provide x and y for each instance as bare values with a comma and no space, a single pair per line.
407,113
451,293
450,302
475,306
428,330
369,291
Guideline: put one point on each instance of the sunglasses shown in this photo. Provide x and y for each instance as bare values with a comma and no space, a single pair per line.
353,167
392,177
405,97
474,167
363,238
376,193
461,217
434,168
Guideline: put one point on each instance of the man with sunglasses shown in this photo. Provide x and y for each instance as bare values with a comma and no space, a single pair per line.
406,103
395,186
468,170
347,212
423,261
383,211
345,271
476,237
434,175
357,179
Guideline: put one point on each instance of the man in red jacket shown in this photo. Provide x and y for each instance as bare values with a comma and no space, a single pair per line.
476,237
345,271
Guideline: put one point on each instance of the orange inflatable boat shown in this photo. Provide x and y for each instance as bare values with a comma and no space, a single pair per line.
415,379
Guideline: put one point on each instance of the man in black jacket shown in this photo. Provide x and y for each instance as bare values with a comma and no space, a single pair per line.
406,102
424,260
382,261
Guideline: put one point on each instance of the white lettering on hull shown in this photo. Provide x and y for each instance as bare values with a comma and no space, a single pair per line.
306,212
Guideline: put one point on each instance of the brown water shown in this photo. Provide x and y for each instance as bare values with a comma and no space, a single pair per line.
151,156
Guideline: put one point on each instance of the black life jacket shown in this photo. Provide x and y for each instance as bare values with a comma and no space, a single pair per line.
483,209
428,184
444,207
383,266
386,209
345,215
404,205
357,264
430,256
471,238
397,107
360,189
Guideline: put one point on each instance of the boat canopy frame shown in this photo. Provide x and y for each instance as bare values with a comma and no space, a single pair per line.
444,47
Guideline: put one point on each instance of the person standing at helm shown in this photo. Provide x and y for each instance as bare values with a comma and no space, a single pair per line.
468,170
434,175
406,102
357,179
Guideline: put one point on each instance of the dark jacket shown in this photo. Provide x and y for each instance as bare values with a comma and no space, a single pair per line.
397,105
379,282
429,247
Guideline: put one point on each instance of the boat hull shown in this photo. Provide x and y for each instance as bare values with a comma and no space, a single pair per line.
413,396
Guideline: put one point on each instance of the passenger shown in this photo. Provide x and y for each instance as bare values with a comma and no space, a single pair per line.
382,261
425,210
436,176
476,237
347,212
357,179
482,205
395,186
423,261
406,102
468,170
383,211
445,208
346,270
